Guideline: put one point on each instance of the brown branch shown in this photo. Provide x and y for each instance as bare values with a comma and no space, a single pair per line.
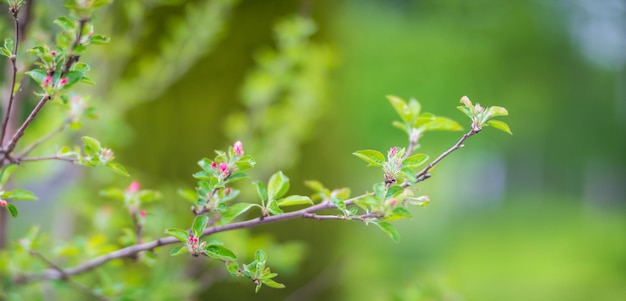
423,174
131,251
65,278
13,59
71,57
42,140
45,158
20,132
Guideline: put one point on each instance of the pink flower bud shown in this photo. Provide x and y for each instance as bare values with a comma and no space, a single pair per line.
479,108
133,187
466,101
392,152
227,191
392,202
54,53
224,168
3,203
238,147
63,81
213,165
143,213
47,81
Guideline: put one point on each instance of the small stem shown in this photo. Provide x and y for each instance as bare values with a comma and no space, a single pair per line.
20,132
65,278
423,174
43,139
71,58
13,59
44,158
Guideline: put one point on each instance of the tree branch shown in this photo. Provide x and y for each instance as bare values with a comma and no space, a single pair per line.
44,158
20,132
42,140
423,174
134,249
13,59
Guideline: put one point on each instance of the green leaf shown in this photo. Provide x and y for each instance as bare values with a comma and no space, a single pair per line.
5,52
22,195
180,249
237,176
389,229
72,78
235,210
442,124
188,194
114,193
9,45
496,111
315,185
202,175
99,39
92,143
465,111
260,256
37,75
147,196
6,172
179,234
401,108
278,185
260,189
415,160
398,213
500,126
220,253
117,168
12,209
273,208
400,125
199,223
273,284
293,200
65,23
374,158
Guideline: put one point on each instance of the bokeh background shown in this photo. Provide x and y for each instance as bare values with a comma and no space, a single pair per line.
539,215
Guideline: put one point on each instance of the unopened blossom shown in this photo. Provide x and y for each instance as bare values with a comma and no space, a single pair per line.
47,81
3,203
133,187
238,147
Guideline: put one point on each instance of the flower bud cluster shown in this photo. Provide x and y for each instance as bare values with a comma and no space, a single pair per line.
393,165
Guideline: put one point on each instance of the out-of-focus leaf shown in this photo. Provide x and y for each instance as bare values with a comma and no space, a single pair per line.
374,158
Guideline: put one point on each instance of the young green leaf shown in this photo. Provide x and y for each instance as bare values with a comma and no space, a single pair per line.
12,209
179,234
180,249
293,200
415,160
260,189
398,213
278,185
273,284
5,52
500,126
99,39
496,111
9,45
114,193
274,209
117,168
188,194
374,158
6,172
21,195
38,75
91,143
401,108
65,23
235,210
199,223
389,229
442,124
220,253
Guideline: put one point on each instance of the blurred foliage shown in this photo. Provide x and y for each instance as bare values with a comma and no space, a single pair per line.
537,216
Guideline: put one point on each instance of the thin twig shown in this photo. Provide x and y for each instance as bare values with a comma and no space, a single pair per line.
71,57
45,158
43,139
65,278
20,132
13,59
423,174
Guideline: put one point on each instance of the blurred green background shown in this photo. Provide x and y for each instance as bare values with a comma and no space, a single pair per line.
540,215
